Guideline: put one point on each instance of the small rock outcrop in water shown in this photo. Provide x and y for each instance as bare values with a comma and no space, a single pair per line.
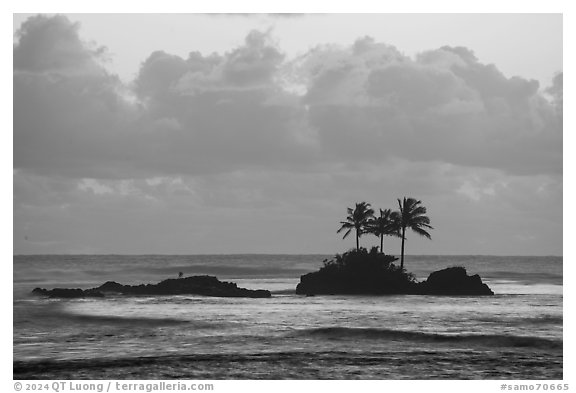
453,281
195,285
359,272
67,293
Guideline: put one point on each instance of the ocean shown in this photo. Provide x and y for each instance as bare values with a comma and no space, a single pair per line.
516,334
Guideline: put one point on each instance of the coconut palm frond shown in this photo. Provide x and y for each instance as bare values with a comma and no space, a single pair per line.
421,232
412,215
347,233
358,219
345,225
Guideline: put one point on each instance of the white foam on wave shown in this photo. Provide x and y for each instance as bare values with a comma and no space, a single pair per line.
511,287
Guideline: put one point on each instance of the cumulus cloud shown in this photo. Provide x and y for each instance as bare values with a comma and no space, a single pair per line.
254,107
370,101
220,145
52,44
196,115
556,91
69,112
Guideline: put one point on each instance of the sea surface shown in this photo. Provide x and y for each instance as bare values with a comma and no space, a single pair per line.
516,334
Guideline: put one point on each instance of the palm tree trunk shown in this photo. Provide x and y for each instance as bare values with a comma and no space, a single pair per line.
357,241
402,255
382,244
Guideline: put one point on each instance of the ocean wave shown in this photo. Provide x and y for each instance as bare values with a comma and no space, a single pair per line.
405,335
523,278
290,291
56,313
117,320
544,319
538,320
420,364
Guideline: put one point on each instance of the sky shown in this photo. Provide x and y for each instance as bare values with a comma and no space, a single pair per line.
199,134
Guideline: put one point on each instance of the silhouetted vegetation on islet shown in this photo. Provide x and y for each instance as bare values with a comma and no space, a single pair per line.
364,272
358,271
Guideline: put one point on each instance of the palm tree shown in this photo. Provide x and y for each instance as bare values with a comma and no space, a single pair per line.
384,225
412,215
357,219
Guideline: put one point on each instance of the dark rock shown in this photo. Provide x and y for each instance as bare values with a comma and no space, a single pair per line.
67,293
453,281
317,283
93,293
357,272
40,292
195,285
110,286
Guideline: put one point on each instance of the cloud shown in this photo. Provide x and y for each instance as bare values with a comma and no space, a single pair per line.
368,101
556,91
221,145
69,112
253,15
249,67
52,44
183,214
252,107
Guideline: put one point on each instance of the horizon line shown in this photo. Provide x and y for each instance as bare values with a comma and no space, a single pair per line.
259,253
